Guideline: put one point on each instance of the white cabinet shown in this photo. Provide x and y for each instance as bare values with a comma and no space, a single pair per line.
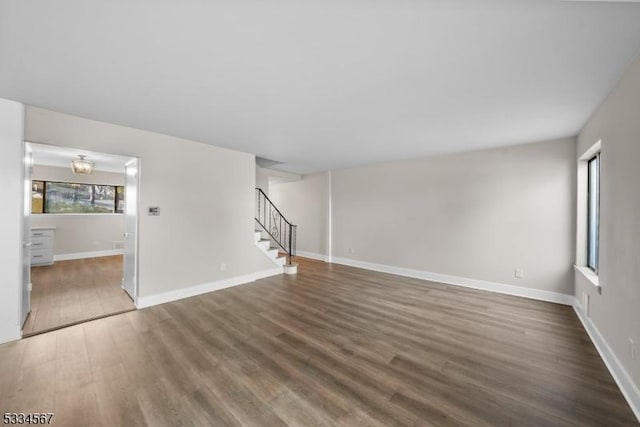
42,240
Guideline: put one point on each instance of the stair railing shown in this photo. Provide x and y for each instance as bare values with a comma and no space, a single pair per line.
281,231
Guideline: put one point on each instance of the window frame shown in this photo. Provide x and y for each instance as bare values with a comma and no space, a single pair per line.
45,184
595,253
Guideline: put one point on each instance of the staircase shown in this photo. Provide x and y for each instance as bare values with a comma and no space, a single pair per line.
267,249
279,233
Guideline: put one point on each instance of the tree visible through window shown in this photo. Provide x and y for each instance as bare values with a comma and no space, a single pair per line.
593,212
37,196
119,199
66,197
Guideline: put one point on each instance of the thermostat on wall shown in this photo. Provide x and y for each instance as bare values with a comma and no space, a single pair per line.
153,211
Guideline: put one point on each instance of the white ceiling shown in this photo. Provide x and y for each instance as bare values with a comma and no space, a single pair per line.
50,155
326,83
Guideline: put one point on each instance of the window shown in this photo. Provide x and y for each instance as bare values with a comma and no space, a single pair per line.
593,209
119,199
65,197
37,196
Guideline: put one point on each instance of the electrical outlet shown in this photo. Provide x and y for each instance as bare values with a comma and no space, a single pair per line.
352,251
223,267
519,273
632,349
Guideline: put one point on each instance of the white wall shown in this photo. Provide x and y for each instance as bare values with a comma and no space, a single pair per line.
477,215
11,173
616,313
81,233
262,179
52,173
306,204
205,194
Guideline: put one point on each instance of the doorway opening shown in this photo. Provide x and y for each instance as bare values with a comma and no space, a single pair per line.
80,225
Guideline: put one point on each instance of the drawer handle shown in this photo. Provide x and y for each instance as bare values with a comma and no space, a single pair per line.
38,256
38,234
38,244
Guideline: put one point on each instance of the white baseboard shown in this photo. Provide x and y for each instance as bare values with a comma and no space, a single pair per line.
629,389
267,273
466,282
10,333
83,255
312,255
204,288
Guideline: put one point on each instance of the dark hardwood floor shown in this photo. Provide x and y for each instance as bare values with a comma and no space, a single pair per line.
333,345
69,292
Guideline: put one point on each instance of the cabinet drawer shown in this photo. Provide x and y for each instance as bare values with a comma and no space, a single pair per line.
41,256
41,243
40,234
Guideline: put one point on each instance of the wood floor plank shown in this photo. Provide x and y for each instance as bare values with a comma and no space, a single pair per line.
77,407
295,410
160,405
333,345
116,398
69,292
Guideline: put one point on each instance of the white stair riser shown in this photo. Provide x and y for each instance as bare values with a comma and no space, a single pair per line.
264,247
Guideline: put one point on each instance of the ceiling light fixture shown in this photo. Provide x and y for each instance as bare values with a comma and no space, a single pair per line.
82,166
